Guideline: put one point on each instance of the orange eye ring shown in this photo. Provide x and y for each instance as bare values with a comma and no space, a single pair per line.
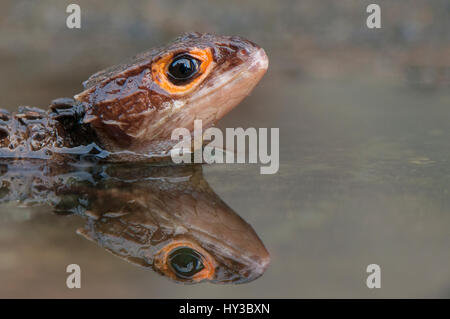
161,261
160,71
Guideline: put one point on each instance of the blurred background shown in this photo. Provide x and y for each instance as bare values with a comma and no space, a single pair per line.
364,143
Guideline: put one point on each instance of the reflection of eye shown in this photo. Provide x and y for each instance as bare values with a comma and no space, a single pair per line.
182,68
185,262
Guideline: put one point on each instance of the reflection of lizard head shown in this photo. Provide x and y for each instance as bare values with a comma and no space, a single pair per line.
170,220
163,218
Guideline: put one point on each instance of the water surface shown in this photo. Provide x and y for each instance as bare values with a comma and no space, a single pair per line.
364,145
364,178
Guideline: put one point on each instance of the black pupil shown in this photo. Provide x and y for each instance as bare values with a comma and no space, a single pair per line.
186,262
183,68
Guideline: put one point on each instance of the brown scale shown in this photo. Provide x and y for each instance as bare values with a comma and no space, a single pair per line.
128,112
145,214
34,133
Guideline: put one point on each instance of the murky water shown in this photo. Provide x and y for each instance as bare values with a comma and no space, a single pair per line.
364,172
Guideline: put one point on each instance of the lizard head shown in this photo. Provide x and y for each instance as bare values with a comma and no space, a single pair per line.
136,106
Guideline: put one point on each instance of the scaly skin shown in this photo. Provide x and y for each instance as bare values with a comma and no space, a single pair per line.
34,133
128,112
143,213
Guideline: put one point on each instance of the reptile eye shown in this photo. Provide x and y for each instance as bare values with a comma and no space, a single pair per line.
182,68
180,73
185,262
